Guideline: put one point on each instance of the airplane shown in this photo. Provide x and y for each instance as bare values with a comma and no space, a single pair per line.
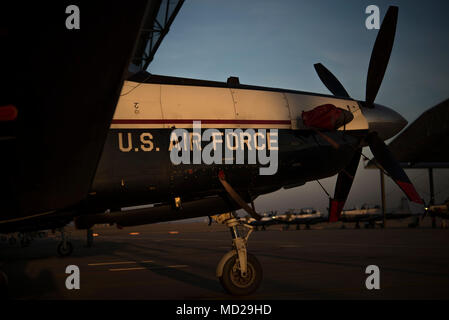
306,216
314,135
365,214
266,220
440,211
371,214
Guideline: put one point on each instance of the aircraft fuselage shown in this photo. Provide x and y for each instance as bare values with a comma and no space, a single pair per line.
136,168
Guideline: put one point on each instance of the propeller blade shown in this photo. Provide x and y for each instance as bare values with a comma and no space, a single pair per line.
381,54
386,159
330,81
343,186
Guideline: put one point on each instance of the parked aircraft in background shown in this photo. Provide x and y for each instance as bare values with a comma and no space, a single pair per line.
306,216
440,211
370,214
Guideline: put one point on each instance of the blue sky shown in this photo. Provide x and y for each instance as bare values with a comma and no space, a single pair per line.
275,44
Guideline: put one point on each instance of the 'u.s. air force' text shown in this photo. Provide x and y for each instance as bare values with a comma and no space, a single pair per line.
145,141
212,146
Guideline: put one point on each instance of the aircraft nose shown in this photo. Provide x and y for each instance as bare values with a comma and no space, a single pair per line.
383,120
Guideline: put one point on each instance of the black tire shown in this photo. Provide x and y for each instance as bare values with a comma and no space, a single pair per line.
234,283
65,251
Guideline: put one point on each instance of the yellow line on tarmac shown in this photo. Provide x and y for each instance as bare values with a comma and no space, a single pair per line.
111,263
118,262
151,268
127,269
178,266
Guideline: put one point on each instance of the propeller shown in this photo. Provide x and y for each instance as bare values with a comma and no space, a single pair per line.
386,159
380,57
330,81
344,183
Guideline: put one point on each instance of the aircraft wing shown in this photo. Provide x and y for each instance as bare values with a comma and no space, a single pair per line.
65,85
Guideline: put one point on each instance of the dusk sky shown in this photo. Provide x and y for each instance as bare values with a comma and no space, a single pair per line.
275,44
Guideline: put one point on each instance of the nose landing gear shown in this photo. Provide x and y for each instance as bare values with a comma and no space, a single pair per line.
65,247
239,272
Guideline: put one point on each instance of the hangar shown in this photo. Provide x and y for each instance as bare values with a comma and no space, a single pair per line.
429,151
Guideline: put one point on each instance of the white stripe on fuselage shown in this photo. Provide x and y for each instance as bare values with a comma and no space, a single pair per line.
146,106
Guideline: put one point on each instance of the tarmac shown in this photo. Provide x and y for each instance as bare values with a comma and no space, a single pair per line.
178,261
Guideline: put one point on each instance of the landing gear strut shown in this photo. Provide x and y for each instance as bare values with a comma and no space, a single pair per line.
65,247
239,272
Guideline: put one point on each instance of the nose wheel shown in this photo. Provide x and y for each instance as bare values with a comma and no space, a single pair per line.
65,247
239,272
236,283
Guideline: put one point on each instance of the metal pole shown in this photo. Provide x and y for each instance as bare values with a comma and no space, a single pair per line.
382,191
432,194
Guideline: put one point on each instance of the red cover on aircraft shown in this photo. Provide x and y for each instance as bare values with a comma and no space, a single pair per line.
326,117
335,209
8,113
